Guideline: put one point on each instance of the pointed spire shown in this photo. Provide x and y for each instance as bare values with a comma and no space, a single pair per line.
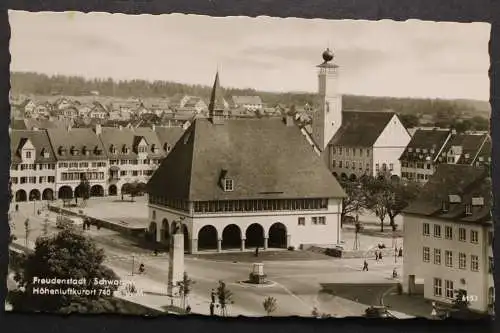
217,107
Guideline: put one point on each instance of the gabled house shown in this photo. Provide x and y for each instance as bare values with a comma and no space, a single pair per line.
448,237
33,166
134,154
250,103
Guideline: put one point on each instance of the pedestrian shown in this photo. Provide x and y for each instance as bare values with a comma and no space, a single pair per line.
394,273
400,254
376,255
213,296
380,256
257,251
155,252
365,266
212,309
17,207
188,309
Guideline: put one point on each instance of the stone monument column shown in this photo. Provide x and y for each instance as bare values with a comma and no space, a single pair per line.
176,259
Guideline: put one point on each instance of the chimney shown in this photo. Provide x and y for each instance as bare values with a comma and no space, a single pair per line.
98,129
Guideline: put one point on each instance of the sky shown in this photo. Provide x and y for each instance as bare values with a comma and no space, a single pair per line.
376,58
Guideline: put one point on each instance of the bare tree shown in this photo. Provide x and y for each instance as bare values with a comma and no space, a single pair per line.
225,297
185,288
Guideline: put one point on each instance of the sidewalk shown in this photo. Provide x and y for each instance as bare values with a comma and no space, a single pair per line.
413,305
154,295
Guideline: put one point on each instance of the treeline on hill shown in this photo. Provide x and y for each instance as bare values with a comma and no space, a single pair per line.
41,84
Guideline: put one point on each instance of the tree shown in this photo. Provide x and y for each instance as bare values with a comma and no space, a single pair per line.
378,194
134,190
225,297
66,255
404,193
185,288
355,200
82,190
387,196
270,305
409,120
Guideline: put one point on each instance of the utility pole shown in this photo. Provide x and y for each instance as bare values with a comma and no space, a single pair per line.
133,263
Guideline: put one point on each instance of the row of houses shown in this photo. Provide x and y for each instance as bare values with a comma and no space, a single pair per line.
49,163
94,107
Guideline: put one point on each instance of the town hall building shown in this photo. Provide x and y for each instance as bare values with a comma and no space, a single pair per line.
244,183
354,143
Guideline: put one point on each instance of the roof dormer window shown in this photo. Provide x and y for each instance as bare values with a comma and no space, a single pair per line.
167,147
228,185
61,150
73,151
97,150
45,153
125,149
85,151
112,149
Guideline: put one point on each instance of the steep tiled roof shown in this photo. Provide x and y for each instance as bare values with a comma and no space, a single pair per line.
463,181
38,138
470,143
129,137
264,157
428,142
30,123
238,100
168,135
79,139
361,128
484,154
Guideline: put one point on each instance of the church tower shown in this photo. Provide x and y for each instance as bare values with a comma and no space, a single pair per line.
328,118
217,109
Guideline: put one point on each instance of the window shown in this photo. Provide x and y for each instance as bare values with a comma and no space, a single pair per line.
438,284
153,215
448,291
32,180
474,236
448,232
23,180
437,231
14,180
228,185
322,220
377,167
448,258
41,179
314,220
340,150
491,266
468,209
474,263
437,256
134,173
302,221
426,254
426,229
141,149
333,164
28,154
462,235
340,164
347,164
391,166
462,260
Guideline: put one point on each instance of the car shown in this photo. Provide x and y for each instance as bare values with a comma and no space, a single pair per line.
377,312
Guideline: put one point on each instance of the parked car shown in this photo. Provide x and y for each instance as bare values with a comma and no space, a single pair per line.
377,312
